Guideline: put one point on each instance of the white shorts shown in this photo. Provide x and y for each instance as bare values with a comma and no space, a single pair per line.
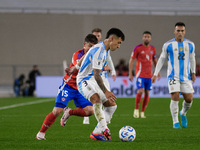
89,87
180,86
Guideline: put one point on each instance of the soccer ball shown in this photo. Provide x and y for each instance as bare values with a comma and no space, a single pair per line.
127,134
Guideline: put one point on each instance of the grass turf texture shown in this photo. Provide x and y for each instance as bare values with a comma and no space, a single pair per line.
19,126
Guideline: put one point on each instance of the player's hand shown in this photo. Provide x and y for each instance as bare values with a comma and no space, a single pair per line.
130,77
193,78
114,77
153,79
70,70
107,68
159,76
110,96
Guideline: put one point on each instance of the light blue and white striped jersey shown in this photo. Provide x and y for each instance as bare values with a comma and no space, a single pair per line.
179,55
96,58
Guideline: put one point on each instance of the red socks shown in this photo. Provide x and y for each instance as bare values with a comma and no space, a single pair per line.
78,112
145,102
49,120
138,100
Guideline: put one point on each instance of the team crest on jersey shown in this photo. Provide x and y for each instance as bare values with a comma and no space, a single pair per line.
181,48
151,51
63,99
175,49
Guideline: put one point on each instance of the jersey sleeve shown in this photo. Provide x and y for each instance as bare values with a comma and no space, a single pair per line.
74,59
192,59
110,64
97,61
134,53
154,53
161,60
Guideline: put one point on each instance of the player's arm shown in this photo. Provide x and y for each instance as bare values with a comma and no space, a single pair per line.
112,67
155,63
193,65
76,66
131,62
99,81
160,63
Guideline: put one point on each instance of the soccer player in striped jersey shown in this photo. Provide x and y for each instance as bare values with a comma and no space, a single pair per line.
68,91
109,67
180,53
146,56
91,85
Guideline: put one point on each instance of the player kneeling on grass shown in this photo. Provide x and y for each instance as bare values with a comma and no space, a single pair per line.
68,91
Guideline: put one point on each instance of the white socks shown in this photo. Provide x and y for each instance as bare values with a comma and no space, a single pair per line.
109,111
174,108
185,107
99,114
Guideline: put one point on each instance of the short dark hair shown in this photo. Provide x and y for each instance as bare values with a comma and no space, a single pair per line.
117,32
91,38
180,24
96,30
146,32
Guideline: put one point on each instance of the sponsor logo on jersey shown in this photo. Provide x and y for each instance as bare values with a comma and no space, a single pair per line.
175,49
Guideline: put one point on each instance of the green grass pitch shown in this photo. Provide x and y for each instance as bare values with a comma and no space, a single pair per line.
19,125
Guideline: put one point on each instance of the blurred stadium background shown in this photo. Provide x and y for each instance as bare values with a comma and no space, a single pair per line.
46,32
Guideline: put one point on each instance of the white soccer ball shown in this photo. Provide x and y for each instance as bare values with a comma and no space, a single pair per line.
127,134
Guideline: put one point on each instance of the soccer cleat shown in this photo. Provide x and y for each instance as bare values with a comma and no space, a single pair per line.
65,116
100,137
136,113
142,115
177,126
183,120
107,134
86,120
40,136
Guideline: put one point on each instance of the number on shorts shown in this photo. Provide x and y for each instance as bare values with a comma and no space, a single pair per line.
172,81
85,83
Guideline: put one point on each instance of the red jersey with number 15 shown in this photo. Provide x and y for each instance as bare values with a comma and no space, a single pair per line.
71,79
144,56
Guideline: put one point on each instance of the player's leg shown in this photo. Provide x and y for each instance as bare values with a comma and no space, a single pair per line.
61,102
145,103
187,91
109,107
90,89
148,87
140,91
174,109
85,108
49,120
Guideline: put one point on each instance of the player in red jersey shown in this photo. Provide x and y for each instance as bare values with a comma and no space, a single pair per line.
68,91
145,55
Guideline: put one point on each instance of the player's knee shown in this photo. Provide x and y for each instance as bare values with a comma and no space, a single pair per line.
57,111
89,111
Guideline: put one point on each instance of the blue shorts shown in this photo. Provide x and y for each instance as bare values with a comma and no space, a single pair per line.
66,93
144,83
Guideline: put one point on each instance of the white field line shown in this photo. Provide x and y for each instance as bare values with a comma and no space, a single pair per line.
24,104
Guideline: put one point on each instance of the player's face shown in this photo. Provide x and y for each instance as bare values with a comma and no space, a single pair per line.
115,43
146,39
87,46
179,32
98,35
